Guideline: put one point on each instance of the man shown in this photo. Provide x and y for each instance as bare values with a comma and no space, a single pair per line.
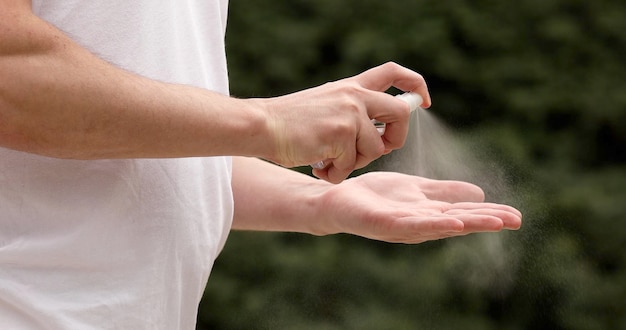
124,164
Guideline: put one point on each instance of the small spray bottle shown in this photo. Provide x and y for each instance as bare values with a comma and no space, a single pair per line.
414,101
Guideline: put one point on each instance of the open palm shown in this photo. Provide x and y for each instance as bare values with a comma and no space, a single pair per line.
401,208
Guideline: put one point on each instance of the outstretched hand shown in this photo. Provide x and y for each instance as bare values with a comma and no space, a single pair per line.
401,208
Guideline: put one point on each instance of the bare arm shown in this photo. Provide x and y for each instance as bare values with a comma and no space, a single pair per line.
384,206
59,100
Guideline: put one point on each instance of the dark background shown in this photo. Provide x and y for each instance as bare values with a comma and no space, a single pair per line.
539,85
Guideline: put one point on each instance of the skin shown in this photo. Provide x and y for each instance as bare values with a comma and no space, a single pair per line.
86,108
383,206
59,100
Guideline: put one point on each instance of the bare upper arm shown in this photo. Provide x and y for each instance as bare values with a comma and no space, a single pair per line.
13,14
12,7
20,30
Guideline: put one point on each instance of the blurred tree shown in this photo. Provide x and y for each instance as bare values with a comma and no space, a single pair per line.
538,85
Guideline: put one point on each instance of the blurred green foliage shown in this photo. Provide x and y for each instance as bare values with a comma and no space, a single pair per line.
540,84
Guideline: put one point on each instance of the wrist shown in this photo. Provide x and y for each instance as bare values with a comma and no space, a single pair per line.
261,128
319,201
256,131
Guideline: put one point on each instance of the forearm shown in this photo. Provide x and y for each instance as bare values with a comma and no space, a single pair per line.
384,206
59,100
272,198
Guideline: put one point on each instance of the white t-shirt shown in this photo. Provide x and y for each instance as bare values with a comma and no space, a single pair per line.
119,244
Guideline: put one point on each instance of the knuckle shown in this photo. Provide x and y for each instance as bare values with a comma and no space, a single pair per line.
391,65
351,105
350,93
394,68
342,130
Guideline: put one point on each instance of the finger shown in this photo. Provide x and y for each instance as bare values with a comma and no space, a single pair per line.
336,175
369,145
419,229
343,165
394,113
382,77
511,218
444,225
329,172
321,173
476,223
395,135
496,206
